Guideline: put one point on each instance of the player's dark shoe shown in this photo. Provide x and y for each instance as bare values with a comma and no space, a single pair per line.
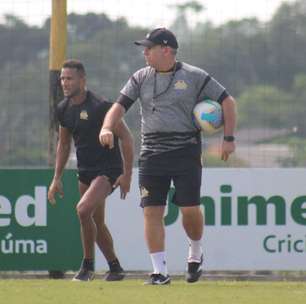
194,271
84,275
158,279
116,274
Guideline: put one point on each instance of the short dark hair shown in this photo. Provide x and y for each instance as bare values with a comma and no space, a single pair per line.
75,64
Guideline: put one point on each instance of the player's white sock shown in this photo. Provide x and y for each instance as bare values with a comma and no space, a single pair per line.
159,262
195,251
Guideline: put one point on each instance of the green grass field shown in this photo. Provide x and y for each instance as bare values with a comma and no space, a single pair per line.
134,292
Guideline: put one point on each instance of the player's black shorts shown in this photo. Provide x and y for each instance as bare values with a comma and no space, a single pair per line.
86,177
154,189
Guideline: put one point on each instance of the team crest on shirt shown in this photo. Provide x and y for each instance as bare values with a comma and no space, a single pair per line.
84,115
143,192
180,85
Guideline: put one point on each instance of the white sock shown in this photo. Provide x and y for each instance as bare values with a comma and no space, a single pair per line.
159,262
195,251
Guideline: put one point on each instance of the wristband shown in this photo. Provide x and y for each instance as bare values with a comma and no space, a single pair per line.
229,138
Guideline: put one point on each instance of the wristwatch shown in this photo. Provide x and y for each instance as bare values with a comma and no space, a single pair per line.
229,138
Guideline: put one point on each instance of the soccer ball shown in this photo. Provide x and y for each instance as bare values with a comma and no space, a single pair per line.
208,116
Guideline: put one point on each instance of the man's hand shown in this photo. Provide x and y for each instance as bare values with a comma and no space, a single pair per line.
124,181
106,138
55,187
228,147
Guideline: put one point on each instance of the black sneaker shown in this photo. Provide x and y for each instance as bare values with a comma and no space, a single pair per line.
194,271
158,279
115,275
84,275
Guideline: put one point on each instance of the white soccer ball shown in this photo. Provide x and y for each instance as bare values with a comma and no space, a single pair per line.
208,116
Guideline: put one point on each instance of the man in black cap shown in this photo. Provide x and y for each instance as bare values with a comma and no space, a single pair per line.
159,36
168,90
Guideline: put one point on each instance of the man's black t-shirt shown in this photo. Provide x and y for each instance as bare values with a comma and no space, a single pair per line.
84,121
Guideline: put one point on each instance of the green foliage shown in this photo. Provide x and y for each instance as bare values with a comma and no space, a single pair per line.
189,5
298,105
269,106
265,106
21,43
263,64
298,148
287,39
24,114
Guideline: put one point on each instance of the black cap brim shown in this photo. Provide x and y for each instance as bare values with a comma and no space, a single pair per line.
145,42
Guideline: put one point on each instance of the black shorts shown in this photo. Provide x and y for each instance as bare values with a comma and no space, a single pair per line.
154,189
86,177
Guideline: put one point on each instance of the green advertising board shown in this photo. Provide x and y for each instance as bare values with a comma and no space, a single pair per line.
34,235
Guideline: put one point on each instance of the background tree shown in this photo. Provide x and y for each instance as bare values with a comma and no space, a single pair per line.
261,63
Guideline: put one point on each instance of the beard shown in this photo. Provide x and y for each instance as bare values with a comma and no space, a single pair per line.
73,93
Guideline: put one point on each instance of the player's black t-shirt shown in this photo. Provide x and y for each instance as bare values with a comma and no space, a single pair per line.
84,121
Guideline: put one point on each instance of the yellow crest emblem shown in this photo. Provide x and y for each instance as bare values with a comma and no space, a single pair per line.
180,85
84,115
144,192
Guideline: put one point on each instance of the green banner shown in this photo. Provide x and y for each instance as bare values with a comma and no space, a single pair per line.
34,235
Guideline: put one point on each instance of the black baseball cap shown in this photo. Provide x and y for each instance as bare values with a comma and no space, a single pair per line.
159,36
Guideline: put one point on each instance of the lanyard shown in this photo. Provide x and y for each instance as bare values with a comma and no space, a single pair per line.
155,95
